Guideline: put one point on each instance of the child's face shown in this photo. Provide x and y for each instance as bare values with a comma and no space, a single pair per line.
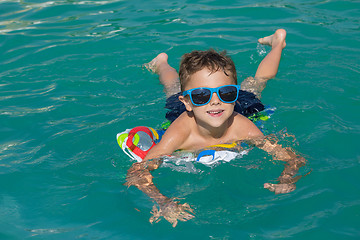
216,112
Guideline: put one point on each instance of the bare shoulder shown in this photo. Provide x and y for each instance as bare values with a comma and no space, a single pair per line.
180,128
177,133
173,138
245,128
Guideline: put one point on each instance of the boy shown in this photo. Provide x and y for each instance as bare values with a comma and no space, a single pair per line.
209,93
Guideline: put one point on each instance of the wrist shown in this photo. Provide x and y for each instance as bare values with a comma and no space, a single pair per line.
286,178
162,200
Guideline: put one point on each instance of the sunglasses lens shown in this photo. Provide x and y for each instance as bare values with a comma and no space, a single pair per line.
228,93
200,96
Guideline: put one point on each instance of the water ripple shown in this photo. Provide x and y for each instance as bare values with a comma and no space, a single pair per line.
24,93
71,79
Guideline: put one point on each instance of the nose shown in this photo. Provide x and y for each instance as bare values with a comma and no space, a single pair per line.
215,99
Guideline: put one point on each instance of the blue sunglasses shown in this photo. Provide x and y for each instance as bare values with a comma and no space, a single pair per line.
202,96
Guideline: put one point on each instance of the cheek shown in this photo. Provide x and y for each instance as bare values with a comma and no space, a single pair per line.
233,107
230,108
229,105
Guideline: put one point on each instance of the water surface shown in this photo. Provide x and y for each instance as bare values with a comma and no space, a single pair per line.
71,78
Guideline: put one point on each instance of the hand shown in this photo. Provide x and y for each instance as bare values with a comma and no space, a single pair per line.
280,188
172,211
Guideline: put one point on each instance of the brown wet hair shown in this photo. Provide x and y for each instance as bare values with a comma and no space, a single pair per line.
214,61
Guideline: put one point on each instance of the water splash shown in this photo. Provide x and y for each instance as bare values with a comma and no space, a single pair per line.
260,49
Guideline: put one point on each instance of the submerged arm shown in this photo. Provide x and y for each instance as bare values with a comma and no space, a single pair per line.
288,178
139,176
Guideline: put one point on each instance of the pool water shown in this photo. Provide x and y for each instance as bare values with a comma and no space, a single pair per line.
72,77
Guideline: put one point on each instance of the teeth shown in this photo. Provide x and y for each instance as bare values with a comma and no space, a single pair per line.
215,112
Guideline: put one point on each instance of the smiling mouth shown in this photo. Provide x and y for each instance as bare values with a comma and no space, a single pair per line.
215,112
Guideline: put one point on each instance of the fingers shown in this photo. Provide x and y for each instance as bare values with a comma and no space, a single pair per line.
280,188
269,186
172,212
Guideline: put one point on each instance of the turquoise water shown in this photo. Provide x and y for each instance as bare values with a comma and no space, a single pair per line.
71,78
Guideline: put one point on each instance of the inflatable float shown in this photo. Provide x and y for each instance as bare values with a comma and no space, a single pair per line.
138,141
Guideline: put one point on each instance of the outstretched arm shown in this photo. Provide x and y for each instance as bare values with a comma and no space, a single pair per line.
288,178
139,176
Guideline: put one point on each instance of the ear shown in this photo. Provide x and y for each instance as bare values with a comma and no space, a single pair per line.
187,102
